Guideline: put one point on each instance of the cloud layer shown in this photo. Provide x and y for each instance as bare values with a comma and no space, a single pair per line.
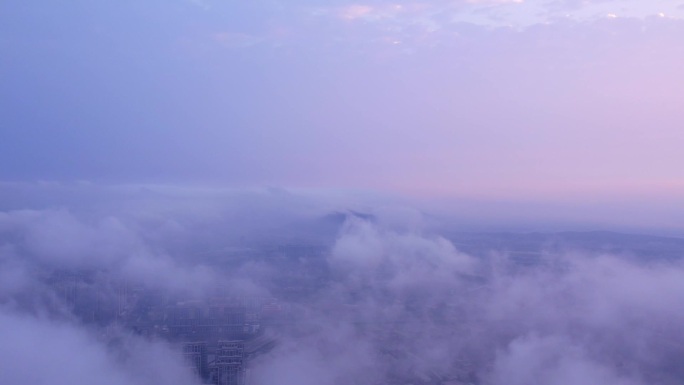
387,299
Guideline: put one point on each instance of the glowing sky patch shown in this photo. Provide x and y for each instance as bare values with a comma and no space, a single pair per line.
515,13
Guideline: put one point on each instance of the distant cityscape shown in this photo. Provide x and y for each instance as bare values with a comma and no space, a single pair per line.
220,333
218,336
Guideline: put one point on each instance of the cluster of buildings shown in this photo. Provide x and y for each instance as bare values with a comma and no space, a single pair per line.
218,334
219,337
224,362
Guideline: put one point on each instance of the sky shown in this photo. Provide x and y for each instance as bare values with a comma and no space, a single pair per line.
150,142
560,101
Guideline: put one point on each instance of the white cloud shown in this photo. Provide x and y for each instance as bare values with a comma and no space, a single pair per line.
41,351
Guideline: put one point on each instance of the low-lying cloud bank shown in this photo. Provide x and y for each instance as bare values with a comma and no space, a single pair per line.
405,307
393,302
38,350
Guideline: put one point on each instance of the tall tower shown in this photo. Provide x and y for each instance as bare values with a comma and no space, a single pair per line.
195,354
229,366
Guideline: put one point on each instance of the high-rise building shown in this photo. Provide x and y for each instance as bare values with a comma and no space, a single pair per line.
202,321
195,354
228,368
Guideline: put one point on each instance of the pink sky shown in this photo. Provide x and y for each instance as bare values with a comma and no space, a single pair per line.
555,101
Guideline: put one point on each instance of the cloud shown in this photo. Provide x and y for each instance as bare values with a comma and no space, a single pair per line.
59,240
399,261
495,1
38,350
552,361
389,299
356,11
415,308
521,116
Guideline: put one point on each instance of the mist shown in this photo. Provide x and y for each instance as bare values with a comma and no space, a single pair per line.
381,296
441,192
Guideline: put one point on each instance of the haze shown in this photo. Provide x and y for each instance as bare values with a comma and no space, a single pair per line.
439,192
559,100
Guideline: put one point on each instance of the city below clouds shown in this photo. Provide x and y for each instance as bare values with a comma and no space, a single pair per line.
439,192
145,286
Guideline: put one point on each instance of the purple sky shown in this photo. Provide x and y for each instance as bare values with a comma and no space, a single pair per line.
148,142
549,100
